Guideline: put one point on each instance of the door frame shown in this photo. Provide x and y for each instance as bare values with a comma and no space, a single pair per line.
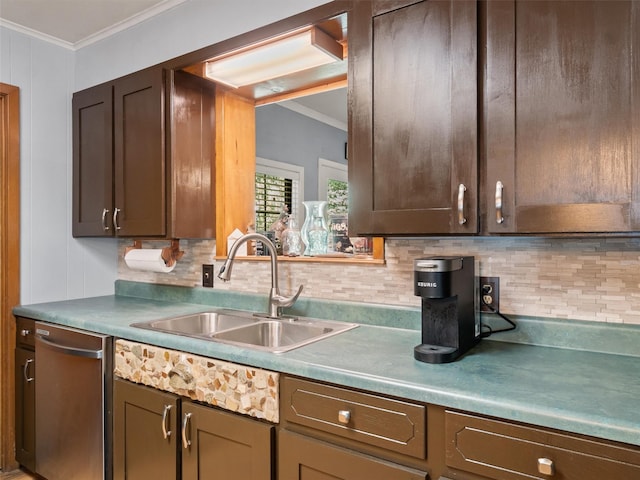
9,263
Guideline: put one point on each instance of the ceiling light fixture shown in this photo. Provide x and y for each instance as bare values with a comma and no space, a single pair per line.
275,58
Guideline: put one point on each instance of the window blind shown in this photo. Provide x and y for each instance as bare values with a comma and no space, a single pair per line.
273,195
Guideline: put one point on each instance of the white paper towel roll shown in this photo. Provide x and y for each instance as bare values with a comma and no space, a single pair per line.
147,259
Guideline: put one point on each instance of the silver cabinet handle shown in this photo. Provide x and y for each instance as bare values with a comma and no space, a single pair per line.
68,350
499,188
105,212
344,416
25,370
461,190
546,467
115,218
165,415
24,332
185,421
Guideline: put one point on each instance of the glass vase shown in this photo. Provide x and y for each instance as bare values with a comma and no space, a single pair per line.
314,230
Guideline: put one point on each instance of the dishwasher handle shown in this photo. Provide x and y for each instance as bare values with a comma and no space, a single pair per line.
76,352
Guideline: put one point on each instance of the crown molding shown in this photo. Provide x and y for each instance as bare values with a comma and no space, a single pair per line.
35,34
309,112
128,23
100,35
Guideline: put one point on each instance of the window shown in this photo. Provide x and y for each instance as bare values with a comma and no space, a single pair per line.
277,185
333,185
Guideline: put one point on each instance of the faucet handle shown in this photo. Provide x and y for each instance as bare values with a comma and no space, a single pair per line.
282,301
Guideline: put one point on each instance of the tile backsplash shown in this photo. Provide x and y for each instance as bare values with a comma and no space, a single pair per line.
594,279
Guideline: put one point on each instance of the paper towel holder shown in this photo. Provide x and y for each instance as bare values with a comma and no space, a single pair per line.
170,255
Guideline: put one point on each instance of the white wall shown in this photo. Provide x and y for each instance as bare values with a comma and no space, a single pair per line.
55,266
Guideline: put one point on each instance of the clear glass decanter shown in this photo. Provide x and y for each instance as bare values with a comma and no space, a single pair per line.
292,245
315,231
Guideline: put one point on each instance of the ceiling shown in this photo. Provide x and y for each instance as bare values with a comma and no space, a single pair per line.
77,23
328,107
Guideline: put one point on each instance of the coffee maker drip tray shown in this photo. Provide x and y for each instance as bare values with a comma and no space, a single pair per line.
435,353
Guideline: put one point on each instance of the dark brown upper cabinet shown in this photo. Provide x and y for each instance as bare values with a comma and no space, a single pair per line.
562,117
143,160
93,161
413,156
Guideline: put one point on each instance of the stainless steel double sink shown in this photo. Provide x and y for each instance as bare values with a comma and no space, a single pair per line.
248,329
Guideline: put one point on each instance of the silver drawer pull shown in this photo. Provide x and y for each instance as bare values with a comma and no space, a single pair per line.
499,188
185,423
545,466
461,219
115,219
25,370
165,415
344,416
105,212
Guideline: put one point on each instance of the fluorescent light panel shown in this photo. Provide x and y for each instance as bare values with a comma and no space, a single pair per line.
294,53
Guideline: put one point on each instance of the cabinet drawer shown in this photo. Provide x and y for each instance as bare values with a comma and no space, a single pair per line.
505,451
301,457
382,422
25,329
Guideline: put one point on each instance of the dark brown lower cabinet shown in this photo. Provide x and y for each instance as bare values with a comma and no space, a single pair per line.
146,434
159,435
219,444
25,394
505,451
331,432
305,458
26,408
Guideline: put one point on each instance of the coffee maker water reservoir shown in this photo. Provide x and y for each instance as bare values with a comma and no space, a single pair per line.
450,317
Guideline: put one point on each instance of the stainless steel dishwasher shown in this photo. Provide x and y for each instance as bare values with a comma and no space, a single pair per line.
73,403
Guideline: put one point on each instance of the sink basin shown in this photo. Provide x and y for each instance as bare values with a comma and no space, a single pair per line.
203,323
281,335
248,329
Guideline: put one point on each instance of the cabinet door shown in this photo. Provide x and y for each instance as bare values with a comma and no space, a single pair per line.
563,116
191,165
303,458
146,433
413,117
218,444
139,154
93,162
25,408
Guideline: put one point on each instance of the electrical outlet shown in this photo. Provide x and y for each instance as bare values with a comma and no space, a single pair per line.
489,294
207,276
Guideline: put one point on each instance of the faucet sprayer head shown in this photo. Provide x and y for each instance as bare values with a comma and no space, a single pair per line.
225,271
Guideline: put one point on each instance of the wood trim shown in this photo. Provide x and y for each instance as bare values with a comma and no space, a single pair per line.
342,260
235,157
10,261
325,87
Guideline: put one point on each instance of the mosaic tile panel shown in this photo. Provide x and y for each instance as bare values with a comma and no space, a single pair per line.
582,279
238,388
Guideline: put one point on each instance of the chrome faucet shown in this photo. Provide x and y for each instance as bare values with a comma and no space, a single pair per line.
276,301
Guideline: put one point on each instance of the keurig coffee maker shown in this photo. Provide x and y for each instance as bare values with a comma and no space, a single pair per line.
450,319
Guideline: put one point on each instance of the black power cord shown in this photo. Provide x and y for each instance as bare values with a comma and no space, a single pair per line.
490,331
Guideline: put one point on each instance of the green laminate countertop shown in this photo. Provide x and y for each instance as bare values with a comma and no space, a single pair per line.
580,391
